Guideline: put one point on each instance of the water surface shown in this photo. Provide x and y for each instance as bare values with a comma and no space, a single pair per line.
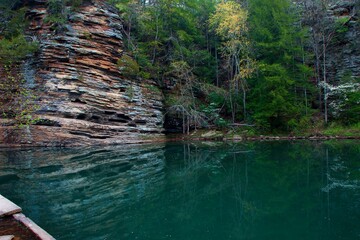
196,191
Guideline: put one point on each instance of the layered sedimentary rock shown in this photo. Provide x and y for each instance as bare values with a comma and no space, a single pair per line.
343,57
84,98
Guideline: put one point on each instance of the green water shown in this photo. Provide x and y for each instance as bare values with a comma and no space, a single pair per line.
265,190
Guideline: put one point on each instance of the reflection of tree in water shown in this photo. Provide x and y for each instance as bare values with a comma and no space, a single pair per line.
206,188
272,190
275,186
341,185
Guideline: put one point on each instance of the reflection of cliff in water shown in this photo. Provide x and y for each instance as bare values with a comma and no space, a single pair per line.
196,191
87,188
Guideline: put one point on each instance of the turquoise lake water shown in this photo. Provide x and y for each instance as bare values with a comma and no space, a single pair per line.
193,191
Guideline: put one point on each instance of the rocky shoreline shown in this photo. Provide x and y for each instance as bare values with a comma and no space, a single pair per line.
183,137
219,136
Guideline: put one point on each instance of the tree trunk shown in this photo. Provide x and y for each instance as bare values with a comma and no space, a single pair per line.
156,39
306,102
325,82
183,117
244,102
217,67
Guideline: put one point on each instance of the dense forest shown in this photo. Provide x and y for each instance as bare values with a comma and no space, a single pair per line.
261,64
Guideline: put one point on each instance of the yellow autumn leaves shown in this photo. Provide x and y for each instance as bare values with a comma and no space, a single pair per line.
229,20
230,23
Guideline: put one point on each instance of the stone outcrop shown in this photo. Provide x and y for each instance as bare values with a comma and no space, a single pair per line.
343,56
83,96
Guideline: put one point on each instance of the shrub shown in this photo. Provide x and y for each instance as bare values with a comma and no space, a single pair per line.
221,123
15,49
340,25
128,66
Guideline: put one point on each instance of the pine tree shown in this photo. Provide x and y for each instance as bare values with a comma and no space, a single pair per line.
277,40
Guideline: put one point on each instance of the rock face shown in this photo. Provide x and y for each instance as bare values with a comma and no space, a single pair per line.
84,98
343,61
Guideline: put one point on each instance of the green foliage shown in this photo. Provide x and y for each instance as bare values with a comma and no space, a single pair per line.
255,52
274,103
212,112
221,123
130,92
59,11
262,62
216,98
168,31
13,23
75,4
340,24
153,89
339,130
350,109
8,4
17,101
57,15
56,20
13,44
15,49
274,106
56,7
128,66
170,100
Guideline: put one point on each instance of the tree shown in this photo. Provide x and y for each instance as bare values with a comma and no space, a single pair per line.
325,30
276,37
185,104
258,50
230,24
164,31
344,101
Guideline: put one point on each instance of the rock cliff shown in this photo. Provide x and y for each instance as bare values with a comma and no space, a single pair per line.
343,55
83,96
